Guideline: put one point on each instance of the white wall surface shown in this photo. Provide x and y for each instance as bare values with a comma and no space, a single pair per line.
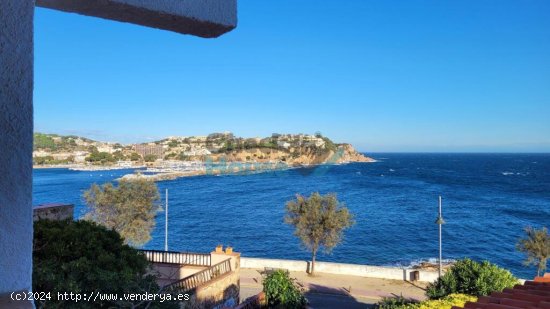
16,134
339,269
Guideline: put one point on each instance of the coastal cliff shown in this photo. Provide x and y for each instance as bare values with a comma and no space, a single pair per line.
344,153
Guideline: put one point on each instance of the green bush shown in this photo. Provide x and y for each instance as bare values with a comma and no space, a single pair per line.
82,257
446,302
150,158
396,303
472,278
281,291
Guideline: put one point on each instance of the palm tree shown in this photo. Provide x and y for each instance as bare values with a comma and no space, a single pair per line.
536,244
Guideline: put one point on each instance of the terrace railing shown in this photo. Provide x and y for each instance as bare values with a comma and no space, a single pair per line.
190,283
182,258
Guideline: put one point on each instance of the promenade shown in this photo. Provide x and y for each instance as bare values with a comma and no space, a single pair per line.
337,291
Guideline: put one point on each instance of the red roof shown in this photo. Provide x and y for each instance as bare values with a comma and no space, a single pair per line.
533,294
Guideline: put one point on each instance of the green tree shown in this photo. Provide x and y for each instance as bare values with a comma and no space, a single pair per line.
42,160
82,257
536,245
319,222
150,158
128,209
183,157
118,155
102,157
281,291
135,156
473,278
42,141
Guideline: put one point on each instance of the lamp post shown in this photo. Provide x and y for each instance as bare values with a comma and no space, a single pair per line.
166,223
440,222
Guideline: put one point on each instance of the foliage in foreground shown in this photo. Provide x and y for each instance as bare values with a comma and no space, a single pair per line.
82,257
128,209
319,222
536,245
444,303
472,278
281,291
396,303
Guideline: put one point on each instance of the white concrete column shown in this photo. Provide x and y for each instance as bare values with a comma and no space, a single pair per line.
16,138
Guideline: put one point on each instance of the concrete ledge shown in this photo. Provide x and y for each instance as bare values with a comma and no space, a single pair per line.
203,18
292,265
53,212
381,272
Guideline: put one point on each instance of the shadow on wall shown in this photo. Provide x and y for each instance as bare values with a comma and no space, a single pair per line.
230,300
324,297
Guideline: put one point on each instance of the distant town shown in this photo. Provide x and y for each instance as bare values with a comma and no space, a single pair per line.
190,154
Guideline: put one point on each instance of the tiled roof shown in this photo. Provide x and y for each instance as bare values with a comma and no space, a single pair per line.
532,295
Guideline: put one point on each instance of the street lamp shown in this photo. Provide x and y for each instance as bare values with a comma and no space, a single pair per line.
440,222
166,223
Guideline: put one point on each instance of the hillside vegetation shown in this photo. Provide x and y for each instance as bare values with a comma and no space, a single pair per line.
291,149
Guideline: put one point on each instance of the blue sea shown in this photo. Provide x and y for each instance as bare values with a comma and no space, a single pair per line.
488,199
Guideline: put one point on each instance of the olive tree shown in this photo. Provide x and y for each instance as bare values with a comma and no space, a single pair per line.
319,222
128,208
536,244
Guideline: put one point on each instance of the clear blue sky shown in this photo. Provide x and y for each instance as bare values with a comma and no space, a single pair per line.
382,75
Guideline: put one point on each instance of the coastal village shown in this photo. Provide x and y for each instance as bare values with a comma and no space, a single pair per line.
178,156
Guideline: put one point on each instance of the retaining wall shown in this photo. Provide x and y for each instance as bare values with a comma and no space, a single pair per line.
381,272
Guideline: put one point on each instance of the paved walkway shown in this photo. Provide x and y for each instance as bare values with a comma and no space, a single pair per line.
334,291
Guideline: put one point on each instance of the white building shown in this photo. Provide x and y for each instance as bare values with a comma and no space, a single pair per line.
283,144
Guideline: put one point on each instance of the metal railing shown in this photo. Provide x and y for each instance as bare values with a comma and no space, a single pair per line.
190,283
182,258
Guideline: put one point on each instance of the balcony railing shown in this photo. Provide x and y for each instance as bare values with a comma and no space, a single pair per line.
182,258
190,283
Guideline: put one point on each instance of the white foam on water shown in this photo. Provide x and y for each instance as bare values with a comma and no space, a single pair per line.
418,262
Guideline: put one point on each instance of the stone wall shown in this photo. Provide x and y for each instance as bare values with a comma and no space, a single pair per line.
53,212
221,292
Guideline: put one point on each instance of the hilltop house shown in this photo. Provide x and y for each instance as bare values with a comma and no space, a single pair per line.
206,19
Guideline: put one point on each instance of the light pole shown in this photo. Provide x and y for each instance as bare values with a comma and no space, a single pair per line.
166,223
440,222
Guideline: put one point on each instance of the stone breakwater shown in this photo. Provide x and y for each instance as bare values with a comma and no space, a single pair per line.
229,168
217,169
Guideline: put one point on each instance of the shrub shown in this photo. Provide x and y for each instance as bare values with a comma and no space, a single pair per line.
150,158
396,303
83,257
281,291
472,278
446,302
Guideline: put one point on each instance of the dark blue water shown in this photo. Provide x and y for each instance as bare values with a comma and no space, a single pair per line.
487,201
